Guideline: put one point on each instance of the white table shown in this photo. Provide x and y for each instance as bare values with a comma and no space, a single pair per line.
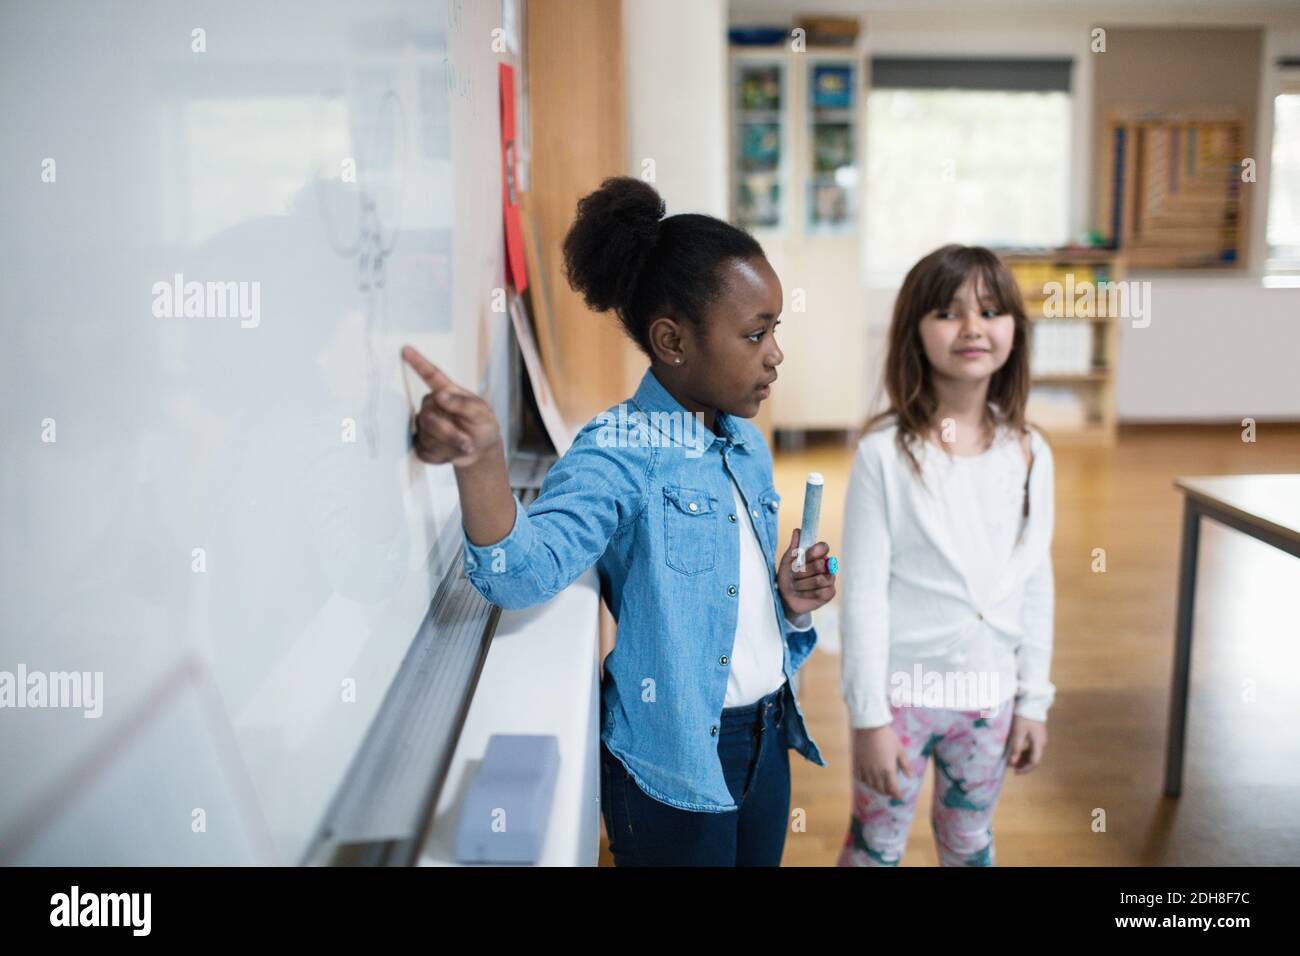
1266,507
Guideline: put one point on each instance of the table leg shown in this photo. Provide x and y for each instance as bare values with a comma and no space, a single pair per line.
1182,651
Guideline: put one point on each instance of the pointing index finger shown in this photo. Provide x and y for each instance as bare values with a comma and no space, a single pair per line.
433,376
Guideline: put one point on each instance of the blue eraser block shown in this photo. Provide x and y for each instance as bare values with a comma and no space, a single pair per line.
508,804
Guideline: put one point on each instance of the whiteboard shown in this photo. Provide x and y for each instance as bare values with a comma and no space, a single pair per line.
220,222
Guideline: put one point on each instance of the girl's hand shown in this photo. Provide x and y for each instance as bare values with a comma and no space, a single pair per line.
453,424
877,752
810,588
1025,744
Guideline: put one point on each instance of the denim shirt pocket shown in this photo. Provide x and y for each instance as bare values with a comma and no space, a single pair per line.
690,529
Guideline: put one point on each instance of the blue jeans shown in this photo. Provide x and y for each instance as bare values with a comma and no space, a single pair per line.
753,748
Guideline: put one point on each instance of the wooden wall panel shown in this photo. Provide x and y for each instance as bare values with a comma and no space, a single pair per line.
578,137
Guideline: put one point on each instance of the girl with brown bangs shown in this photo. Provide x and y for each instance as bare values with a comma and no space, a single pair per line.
947,573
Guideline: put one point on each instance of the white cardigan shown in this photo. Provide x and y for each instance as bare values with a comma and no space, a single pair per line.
907,603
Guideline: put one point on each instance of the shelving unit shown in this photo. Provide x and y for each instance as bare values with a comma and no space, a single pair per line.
831,176
760,141
796,121
1072,394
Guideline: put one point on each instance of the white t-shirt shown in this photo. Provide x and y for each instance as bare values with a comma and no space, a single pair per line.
758,655
981,497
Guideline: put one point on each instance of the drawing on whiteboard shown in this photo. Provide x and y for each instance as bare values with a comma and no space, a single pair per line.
378,173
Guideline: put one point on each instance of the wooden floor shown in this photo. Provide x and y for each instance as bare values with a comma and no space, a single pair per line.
1096,800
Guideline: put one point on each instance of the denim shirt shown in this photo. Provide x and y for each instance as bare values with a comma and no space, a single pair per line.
645,494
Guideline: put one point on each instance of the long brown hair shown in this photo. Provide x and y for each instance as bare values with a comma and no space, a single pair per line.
931,284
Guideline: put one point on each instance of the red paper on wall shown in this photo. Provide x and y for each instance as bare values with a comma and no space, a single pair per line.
516,270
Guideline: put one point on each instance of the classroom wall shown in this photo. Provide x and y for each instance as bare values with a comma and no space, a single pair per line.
965,33
677,114
577,97
677,108
1202,357
1217,349
1174,70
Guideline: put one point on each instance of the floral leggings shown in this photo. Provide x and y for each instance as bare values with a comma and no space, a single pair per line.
970,759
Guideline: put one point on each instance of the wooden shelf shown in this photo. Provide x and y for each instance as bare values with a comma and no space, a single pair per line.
1033,316
1089,395
1065,256
1096,375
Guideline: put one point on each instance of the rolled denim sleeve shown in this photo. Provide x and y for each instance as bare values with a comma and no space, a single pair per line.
587,496
484,562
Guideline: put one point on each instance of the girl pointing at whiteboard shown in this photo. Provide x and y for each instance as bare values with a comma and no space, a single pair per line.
670,495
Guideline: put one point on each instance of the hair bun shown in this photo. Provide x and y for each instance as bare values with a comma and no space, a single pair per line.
612,237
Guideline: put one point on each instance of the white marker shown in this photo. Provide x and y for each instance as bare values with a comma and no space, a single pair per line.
812,512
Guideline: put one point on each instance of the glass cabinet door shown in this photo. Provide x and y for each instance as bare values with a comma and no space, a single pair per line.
832,139
759,142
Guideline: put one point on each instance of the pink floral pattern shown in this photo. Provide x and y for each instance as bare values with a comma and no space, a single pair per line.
970,759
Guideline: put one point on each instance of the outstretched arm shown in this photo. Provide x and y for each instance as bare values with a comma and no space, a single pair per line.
456,426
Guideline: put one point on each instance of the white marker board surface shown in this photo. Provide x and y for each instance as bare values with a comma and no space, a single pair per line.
220,221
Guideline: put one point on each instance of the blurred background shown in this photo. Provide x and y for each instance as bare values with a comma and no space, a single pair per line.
1155,142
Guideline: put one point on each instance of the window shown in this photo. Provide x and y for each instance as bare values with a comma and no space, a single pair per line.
1284,181
981,166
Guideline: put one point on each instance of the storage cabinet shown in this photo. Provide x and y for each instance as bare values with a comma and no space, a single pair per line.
795,157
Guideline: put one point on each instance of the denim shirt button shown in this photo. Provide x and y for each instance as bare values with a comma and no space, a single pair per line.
731,518
723,660
731,589
713,731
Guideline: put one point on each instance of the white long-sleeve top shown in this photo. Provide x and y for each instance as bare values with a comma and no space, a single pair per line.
946,585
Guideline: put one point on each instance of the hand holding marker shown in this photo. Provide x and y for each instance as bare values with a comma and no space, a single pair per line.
804,581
